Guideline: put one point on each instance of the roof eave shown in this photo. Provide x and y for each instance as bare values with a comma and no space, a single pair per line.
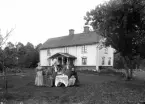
69,45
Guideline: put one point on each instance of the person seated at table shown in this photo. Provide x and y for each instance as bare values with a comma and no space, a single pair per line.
59,69
69,69
74,73
71,81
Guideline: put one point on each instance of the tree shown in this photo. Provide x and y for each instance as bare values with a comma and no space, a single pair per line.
118,64
1,60
2,42
21,51
10,45
122,24
38,46
10,53
29,46
37,49
30,56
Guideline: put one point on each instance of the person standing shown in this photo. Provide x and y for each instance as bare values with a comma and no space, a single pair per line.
45,76
48,77
39,76
51,76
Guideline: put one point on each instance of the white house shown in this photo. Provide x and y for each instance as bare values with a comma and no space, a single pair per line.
84,46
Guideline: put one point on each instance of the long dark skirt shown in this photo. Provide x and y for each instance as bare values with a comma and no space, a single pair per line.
49,81
44,80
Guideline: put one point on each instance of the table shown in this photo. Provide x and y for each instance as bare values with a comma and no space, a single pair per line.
61,78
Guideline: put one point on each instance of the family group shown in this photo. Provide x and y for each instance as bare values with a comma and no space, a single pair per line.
50,75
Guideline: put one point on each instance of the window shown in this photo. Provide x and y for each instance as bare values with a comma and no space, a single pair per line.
48,52
66,50
103,60
106,50
84,61
84,49
109,61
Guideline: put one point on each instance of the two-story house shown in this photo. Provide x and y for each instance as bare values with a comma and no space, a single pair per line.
85,47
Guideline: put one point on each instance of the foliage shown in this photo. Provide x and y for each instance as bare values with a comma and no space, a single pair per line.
20,55
122,23
118,64
10,55
14,70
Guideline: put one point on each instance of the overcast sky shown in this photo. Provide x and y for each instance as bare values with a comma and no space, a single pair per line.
37,20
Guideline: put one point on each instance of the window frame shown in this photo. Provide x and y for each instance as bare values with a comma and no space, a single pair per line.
84,49
66,50
109,61
106,51
48,52
84,60
103,60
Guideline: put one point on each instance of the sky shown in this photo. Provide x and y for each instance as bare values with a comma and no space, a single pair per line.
35,21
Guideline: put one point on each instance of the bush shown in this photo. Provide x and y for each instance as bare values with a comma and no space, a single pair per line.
14,70
87,71
112,71
104,71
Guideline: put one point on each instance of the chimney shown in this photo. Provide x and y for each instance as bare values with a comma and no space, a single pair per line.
71,31
86,29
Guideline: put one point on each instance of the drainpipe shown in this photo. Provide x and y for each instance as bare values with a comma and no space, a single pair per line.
97,58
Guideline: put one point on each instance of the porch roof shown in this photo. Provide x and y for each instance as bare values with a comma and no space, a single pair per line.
62,55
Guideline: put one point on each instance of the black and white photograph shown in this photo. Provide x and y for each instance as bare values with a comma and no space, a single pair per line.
72,51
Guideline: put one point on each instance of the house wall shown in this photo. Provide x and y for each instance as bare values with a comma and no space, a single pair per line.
77,52
90,55
106,56
43,58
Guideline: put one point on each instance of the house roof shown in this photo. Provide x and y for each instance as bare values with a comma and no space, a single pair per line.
72,40
62,54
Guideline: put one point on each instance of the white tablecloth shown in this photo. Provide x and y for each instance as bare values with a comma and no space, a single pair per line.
61,78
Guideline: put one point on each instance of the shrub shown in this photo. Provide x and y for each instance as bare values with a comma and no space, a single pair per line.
112,71
14,70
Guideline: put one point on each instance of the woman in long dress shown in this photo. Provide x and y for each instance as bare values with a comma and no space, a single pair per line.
39,76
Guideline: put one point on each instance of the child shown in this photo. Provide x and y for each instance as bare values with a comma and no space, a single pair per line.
71,81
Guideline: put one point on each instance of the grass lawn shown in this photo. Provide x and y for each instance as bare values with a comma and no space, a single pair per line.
94,89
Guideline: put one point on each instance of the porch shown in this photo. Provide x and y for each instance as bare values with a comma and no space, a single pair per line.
63,58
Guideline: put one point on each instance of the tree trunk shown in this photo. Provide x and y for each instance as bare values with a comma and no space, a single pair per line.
129,76
127,68
131,73
5,79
